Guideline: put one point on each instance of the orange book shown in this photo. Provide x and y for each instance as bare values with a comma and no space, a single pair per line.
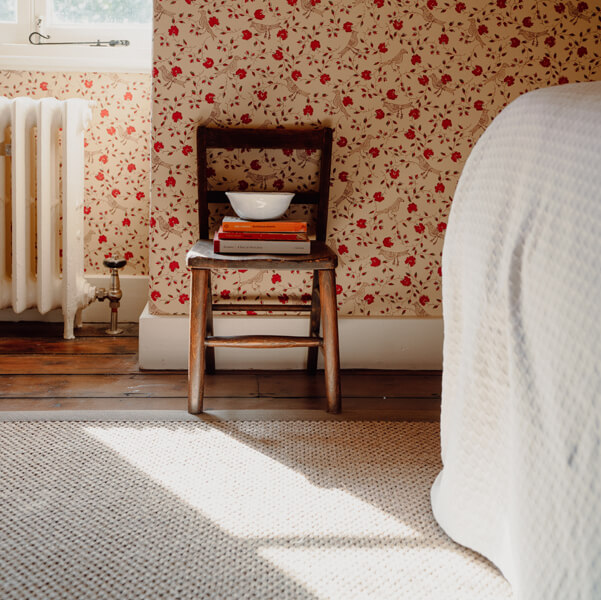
236,224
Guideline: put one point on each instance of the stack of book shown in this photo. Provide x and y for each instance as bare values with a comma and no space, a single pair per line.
237,236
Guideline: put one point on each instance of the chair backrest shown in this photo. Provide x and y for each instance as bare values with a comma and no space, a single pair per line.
309,139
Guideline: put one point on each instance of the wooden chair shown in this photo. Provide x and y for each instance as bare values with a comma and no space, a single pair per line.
322,261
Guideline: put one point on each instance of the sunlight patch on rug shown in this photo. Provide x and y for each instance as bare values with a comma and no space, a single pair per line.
243,490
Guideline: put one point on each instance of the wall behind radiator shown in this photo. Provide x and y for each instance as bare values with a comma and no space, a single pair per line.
408,88
117,182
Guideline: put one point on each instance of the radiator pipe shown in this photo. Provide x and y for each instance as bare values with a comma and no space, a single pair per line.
114,293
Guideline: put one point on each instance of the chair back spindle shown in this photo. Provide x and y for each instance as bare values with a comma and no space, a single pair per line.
308,139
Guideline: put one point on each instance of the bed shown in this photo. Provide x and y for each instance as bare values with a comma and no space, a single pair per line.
521,400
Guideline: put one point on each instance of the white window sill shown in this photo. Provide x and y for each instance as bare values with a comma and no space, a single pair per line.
28,57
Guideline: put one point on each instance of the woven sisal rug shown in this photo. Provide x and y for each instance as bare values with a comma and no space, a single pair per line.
283,510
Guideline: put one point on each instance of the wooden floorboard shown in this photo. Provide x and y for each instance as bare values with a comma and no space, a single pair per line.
353,384
41,345
25,329
53,364
39,371
239,384
147,385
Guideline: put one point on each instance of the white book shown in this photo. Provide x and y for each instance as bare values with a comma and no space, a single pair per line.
261,246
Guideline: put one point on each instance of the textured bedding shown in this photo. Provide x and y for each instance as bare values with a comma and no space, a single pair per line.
521,408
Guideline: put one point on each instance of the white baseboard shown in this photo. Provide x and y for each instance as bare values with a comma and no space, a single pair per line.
135,297
365,343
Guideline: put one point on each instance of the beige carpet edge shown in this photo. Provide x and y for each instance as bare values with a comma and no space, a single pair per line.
210,416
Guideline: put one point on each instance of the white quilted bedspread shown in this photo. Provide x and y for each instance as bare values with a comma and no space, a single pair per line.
521,408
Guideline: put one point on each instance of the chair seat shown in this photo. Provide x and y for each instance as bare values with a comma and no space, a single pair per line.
202,256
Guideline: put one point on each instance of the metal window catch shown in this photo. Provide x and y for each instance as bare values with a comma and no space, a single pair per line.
114,294
97,43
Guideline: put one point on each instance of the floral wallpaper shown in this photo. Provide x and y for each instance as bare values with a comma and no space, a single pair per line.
408,88
117,158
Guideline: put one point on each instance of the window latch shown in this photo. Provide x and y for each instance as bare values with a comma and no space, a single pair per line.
97,43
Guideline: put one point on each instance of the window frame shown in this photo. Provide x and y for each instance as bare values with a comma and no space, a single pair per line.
17,53
11,33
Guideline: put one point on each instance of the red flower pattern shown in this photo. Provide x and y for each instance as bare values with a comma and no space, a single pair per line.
408,92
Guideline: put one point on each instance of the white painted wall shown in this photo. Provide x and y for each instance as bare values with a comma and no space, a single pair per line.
365,343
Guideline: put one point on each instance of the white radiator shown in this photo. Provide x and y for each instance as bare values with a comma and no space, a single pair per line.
41,206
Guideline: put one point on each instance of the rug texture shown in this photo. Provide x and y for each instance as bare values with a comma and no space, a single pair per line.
284,510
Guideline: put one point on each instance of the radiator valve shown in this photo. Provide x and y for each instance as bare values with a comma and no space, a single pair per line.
114,293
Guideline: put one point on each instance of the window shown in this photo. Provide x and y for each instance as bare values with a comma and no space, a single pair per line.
8,11
135,12
76,21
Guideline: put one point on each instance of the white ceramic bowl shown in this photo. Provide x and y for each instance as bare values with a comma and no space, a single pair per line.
260,206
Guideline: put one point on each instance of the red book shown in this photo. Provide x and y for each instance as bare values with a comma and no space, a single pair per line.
262,235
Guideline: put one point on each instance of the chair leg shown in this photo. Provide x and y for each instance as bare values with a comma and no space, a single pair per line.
210,352
314,324
327,286
198,323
